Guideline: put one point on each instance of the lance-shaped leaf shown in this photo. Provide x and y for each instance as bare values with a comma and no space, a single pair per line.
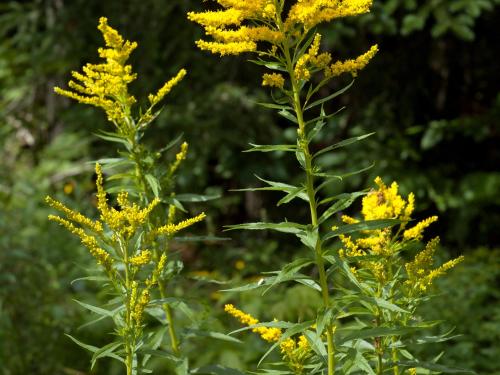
270,148
114,137
216,370
289,271
291,190
196,197
435,367
344,201
345,142
329,97
364,225
285,227
378,332
106,351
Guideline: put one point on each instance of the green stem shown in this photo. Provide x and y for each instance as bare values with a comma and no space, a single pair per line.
128,317
303,143
144,197
395,358
174,341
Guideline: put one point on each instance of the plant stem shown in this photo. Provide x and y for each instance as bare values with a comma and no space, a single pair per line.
302,141
174,341
395,356
128,317
145,198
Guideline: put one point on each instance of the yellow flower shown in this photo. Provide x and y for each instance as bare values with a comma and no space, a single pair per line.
167,87
143,258
384,203
273,80
170,229
351,66
105,85
420,272
89,241
309,13
416,231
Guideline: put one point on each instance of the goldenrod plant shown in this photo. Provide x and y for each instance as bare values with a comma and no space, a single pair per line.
282,35
130,239
394,272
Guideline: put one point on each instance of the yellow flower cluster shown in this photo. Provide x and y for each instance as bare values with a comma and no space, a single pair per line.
417,231
295,352
352,65
420,272
311,60
230,41
309,13
143,258
170,229
75,216
383,203
273,80
137,304
386,203
129,218
106,85
179,157
166,88
89,241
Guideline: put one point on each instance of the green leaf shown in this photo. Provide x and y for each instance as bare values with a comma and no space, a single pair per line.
181,366
97,310
289,116
275,106
114,137
323,319
345,142
269,148
298,192
217,370
288,272
153,184
159,353
285,227
196,197
378,332
90,348
380,302
364,225
106,351
435,367
329,97
201,239
214,335
90,278
172,143
340,205
309,238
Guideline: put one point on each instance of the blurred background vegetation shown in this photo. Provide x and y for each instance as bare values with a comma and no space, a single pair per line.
431,95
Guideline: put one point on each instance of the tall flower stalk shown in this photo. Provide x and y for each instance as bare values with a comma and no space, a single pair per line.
283,36
131,243
286,42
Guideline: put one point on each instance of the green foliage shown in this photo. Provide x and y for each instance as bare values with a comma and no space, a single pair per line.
431,99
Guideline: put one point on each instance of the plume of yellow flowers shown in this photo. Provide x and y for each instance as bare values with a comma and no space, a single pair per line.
124,223
295,352
105,85
241,26
387,203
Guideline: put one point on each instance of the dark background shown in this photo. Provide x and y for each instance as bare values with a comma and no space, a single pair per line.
431,95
